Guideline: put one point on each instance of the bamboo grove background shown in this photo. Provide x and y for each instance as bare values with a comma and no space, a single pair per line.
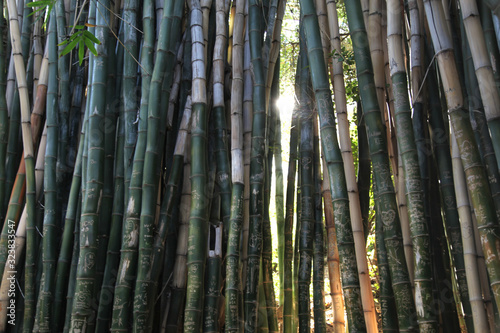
141,152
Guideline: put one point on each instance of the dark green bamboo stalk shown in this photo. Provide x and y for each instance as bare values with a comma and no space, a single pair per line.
490,38
319,239
257,167
65,254
167,46
288,304
83,312
128,261
74,266
198,226
381,169
386,297
331,151
130,94
306,192
427,319
43,321
364,170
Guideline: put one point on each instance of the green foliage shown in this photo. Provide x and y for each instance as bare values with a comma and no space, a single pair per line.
82,38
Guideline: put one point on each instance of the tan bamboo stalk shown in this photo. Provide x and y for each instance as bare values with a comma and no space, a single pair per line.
365,7
469,249
484,71
333,259
392,146
374,30
37,115
247,139
323,28
180,270
28,157
350,175
20,236
477,182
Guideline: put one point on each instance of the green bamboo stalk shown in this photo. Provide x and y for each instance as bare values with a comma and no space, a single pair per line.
73,269
233,318
197,246
386,296
477,181
441,151
163,69
64,104
306,193
257,167
319,240
213,270
338,186
130,95
415,197
83,312
381,169
178,286
43,321
64,261
128,261
364,171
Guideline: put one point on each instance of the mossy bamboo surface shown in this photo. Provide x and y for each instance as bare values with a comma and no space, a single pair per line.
127,266
419,228
352,187
43,321
83,312
381,169
386,297
30,167
338,185
198,224
477,182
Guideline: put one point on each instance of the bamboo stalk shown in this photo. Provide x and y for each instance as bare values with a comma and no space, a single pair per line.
381,170
477,182
469,249
30,167
484,71
352,187
337,172
419,228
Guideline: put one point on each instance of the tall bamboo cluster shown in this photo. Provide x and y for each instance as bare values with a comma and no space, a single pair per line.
156,133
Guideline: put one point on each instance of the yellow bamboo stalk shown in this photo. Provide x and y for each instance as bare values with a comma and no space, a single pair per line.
333,258
352,186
